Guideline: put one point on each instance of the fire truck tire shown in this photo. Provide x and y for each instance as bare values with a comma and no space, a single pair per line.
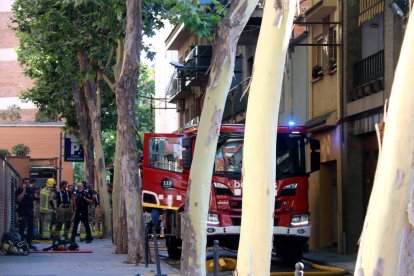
173,247
291,255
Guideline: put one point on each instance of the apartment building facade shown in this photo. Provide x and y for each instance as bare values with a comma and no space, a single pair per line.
373,35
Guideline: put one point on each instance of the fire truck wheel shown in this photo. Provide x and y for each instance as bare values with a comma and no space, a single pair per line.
173,247
291,255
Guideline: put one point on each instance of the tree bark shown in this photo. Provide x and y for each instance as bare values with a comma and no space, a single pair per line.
118,200
118,207
259,159
126,89
387,242
93,94
84,133
193,260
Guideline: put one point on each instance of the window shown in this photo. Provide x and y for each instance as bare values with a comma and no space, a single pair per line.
317,70
332,49
166,153
229,156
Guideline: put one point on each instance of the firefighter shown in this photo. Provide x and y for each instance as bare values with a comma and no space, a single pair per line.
82,201
36,221
96,217
63,203
24,199
46,208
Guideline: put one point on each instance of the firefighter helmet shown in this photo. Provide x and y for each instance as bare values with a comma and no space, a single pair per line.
50,182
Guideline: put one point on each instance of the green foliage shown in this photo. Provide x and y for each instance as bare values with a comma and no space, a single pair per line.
11,114
42,117
144,117
4,152
201,19
20,150
78,172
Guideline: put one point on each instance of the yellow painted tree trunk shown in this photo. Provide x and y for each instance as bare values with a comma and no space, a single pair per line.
259,153
193,261
387,242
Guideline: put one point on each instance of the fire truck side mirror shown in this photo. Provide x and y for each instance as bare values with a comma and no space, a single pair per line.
315,161
186,142
187,158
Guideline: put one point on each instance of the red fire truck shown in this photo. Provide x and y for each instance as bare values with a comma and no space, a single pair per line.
165,173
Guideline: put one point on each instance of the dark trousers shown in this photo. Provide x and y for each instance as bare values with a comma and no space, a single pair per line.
26,223
81,217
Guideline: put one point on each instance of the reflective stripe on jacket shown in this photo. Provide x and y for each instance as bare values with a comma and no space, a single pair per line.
44,201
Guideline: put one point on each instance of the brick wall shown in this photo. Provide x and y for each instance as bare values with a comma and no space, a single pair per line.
20,164
43,141
12,79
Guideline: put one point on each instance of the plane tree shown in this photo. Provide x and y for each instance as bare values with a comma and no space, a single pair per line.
259,159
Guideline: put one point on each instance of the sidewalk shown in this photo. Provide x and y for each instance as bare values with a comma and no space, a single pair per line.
329,258
101,262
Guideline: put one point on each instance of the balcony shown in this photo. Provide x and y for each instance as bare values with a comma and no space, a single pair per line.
197,63
368,76
176,88
320,10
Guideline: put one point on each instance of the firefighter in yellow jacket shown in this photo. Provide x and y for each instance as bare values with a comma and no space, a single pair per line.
46,208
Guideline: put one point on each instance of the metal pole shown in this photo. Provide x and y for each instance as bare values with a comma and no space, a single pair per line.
146,247
299,269
157,256
216,258
60,157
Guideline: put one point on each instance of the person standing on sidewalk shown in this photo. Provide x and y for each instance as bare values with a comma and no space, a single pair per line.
36,221
82,201
64,207
46,208
25,195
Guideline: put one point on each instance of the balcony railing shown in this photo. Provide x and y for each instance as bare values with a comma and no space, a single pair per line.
368,76
369,69
236,101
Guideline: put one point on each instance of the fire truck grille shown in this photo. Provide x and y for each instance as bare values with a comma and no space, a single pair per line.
236,204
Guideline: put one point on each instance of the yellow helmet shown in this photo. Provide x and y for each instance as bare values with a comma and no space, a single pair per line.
50,182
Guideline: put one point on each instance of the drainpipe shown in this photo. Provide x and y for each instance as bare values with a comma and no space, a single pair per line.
60,156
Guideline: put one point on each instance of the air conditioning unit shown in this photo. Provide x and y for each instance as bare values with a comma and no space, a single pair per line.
180,105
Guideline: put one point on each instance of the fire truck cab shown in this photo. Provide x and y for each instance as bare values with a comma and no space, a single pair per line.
166,168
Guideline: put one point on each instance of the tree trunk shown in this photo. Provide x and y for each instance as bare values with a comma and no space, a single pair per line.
118,207
193,260
118,200
84,133
93,96
259,158
126,89
387,242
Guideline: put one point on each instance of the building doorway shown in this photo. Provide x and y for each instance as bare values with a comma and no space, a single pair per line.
328,235
369,151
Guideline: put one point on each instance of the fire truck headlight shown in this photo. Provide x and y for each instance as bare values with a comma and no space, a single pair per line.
220,185
213,218
290,186
299,220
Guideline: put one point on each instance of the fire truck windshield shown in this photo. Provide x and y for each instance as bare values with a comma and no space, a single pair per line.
290,155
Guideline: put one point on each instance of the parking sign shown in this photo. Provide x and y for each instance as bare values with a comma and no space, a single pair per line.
73,150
